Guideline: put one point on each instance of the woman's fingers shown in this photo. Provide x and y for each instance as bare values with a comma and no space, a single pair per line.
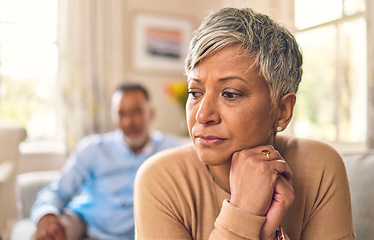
284,182
282,200
260,182
282,167
253,177
266,155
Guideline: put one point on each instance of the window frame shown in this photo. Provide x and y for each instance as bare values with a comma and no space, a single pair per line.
367,15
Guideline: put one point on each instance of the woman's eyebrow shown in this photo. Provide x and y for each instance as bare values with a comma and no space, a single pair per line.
220,79
231,78
193,79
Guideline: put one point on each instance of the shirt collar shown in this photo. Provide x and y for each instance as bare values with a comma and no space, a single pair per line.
148,148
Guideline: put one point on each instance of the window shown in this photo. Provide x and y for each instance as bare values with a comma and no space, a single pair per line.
28,65
332,98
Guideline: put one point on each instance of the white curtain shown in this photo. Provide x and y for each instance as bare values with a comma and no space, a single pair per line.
370,39
91,57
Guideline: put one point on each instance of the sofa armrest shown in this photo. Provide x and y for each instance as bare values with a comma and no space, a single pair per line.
27,187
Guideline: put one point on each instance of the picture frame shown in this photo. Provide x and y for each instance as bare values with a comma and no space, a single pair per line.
160,42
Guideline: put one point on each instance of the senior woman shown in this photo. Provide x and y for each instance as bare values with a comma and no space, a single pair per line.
239,179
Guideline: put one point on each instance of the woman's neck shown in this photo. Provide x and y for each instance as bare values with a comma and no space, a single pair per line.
221,175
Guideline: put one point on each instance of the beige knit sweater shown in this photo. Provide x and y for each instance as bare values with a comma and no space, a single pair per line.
176,197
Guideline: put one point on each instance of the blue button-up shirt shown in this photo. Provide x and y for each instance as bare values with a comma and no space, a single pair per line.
97,184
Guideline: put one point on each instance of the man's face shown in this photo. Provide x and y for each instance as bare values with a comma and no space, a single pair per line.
133,114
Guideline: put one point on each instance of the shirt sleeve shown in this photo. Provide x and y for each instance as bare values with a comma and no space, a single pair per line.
53,198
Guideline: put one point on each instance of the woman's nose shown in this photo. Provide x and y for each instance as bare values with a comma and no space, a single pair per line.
208,111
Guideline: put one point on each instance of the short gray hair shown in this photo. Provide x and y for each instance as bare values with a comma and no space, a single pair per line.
273,48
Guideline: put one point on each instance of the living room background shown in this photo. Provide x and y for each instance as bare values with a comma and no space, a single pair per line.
92,50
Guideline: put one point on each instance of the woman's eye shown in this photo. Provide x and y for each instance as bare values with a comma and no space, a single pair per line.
194,94
230,95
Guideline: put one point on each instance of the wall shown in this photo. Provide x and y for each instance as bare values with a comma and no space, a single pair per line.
169,116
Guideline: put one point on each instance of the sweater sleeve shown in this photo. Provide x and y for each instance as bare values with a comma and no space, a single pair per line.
330,215
170,206
234,223
158,216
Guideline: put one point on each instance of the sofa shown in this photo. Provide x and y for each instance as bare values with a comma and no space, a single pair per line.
358,164
27,186
359,167
11,135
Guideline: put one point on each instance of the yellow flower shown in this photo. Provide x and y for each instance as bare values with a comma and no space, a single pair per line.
177,91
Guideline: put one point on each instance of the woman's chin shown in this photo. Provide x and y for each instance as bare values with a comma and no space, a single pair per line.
213,156
214,159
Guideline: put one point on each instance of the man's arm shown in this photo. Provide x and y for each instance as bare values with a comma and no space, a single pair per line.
53,199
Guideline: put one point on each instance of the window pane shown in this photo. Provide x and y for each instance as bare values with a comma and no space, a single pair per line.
30,12
27,82
332,97
28,60
354,85
31,103
354,6
28,65
309,13
11,32
28,20
314,112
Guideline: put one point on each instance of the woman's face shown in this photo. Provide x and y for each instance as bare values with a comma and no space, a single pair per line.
229,106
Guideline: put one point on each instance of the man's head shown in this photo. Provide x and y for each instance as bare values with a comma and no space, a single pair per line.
133,114
275,51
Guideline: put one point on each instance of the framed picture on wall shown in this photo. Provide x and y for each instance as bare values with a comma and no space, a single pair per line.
160,43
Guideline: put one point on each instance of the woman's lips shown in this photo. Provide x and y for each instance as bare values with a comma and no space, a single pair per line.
209,141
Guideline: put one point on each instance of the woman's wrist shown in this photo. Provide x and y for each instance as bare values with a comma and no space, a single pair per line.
269,236
277,235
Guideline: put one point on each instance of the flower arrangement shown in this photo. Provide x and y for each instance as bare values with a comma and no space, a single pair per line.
177,91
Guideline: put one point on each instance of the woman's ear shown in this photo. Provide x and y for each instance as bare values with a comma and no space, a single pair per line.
284,111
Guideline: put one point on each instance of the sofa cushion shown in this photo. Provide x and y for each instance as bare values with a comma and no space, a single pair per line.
360,168
23,229
27,187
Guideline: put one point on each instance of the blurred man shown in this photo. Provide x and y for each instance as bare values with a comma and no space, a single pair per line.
93,197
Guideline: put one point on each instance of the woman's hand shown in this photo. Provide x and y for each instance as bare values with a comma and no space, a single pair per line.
261,184
282,200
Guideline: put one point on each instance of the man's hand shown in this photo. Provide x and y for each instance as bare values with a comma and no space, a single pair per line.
261,184
50,227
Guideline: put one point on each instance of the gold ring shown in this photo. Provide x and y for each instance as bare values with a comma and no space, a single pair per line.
266,152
